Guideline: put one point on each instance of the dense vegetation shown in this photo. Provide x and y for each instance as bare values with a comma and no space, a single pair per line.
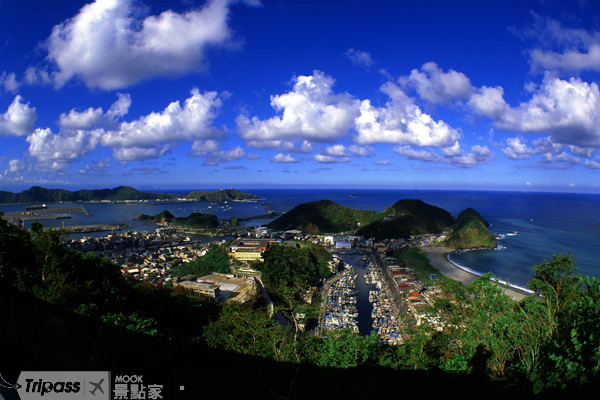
322,216
66,310
194,220
470,232
469,213
408,217
221,195
215,260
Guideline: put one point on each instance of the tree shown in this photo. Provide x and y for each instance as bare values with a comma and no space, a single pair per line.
558,282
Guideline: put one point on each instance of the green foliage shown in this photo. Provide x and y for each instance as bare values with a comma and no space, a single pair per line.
242,329
469,213
321,217
408,217
343,349
558,282
416,259
470,233
215,260
304,266
132,322
194,220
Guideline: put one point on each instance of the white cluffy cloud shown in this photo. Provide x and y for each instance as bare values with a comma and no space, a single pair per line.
152,135
311,112
96,117
18,120
113,44
436,86
579,50
568,110
401,122
360,58
285,158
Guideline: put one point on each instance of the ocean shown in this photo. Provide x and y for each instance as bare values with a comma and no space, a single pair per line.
545,223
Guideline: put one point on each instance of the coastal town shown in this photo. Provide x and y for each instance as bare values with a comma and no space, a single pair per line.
395,292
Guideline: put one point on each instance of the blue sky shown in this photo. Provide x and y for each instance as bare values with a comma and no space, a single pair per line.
494,95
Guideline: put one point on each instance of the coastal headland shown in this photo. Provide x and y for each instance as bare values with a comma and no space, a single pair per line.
438,256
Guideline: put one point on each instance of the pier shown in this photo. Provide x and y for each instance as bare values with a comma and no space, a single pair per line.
18,217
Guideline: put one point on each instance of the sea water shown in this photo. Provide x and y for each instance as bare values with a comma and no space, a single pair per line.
545,223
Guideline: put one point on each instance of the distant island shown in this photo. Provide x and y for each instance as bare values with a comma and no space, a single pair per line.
404,218
195,220
37,194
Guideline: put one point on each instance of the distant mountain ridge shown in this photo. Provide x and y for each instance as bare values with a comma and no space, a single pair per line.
38,194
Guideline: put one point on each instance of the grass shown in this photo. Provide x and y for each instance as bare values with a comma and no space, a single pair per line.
416,259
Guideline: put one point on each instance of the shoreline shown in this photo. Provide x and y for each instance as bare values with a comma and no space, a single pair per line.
438,257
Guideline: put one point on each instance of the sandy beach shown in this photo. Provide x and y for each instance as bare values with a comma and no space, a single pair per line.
437,257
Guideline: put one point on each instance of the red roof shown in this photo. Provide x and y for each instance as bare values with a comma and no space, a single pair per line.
415,294
404,285
399,273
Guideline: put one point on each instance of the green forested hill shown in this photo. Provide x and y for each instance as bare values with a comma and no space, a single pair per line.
471,232
408,217
194,220
470,213
221,195
323,216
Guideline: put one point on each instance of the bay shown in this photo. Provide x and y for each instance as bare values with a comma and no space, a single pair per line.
545,223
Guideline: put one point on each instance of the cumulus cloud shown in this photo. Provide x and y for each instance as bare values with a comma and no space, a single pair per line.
437,86
8,81
152,135
96,117
413,154
360,151
57,151
200,147
327,159
338,150
478,155
517,149
360,58
310,111
283,145
285,158
383,162
401,122
592,164
253,156
578,49
568,110
223,156
18,120
113,44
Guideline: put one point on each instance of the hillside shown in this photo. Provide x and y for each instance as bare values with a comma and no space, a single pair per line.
408,217
323,216
471,233
37,194
194,220
221,195
470,213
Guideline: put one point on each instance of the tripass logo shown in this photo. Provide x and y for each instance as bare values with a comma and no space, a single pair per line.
64,385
